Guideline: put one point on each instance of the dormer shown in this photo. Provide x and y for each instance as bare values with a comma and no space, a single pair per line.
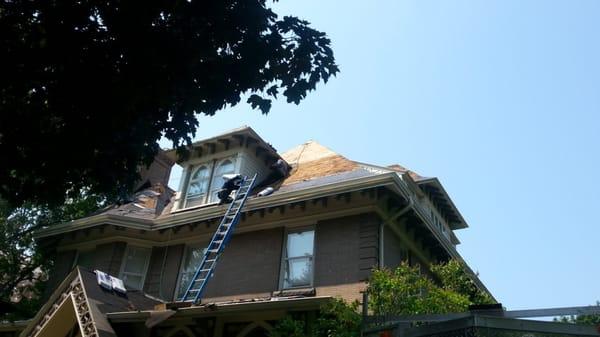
240,151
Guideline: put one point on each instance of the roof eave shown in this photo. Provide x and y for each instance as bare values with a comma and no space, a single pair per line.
200,214
306,303
435,181
246,130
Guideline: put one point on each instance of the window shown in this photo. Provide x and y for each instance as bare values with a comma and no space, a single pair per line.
298,259
85,258
225,167
196,193
135,264
205,182
193,258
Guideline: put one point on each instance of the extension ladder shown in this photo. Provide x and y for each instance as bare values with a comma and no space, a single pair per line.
217,243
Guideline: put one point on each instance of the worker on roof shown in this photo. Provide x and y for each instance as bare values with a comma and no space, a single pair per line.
232,182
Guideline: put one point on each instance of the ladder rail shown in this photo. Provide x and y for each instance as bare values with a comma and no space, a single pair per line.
217,243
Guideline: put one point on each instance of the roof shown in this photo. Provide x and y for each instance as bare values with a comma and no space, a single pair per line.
242,134
314,168
80,288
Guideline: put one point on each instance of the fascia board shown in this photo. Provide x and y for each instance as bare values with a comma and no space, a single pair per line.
392,179
92,221
280,199
435,181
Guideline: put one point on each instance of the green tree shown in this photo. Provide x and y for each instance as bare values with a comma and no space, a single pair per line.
581,319
406,291
89,87
335,319
23,266
453,277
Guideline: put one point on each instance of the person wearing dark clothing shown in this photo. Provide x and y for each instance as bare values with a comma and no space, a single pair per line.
279,169
232,182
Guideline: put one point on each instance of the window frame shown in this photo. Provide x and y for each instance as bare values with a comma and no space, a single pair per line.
284,258
210,167
187,250
145,268
214,178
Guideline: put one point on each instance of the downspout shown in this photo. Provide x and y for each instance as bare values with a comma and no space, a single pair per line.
387,222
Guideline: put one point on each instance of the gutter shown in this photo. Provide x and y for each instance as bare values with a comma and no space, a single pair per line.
306,303
255,203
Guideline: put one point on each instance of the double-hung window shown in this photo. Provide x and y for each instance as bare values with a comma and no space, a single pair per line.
134,267
191,261
298,260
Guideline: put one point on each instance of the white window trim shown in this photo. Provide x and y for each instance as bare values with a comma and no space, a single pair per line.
194,169
212,166
146,265
284,258
187,249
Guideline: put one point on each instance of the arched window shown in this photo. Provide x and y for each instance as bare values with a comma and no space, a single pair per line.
198,186
227,166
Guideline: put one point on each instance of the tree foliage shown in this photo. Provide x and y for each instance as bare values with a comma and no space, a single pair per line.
23,267
335,319
89,87
581,319
406,291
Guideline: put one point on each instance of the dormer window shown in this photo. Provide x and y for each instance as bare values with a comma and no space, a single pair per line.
206,181
198,187
240,151
224,167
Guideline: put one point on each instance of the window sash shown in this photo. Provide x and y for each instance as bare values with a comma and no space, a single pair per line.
134,275
188,268
217,181
289,279
198,198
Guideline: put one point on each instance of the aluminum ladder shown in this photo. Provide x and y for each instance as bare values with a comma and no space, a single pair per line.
218,242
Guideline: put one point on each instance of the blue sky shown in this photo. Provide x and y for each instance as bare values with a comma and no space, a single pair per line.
499,99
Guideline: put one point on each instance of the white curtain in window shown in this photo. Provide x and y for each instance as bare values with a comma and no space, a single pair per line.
299,259
193,258
134,267
225,167
198,186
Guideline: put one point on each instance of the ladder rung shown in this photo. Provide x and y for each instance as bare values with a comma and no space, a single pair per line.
230,218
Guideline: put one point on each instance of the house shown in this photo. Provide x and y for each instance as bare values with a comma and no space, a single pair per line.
317,236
